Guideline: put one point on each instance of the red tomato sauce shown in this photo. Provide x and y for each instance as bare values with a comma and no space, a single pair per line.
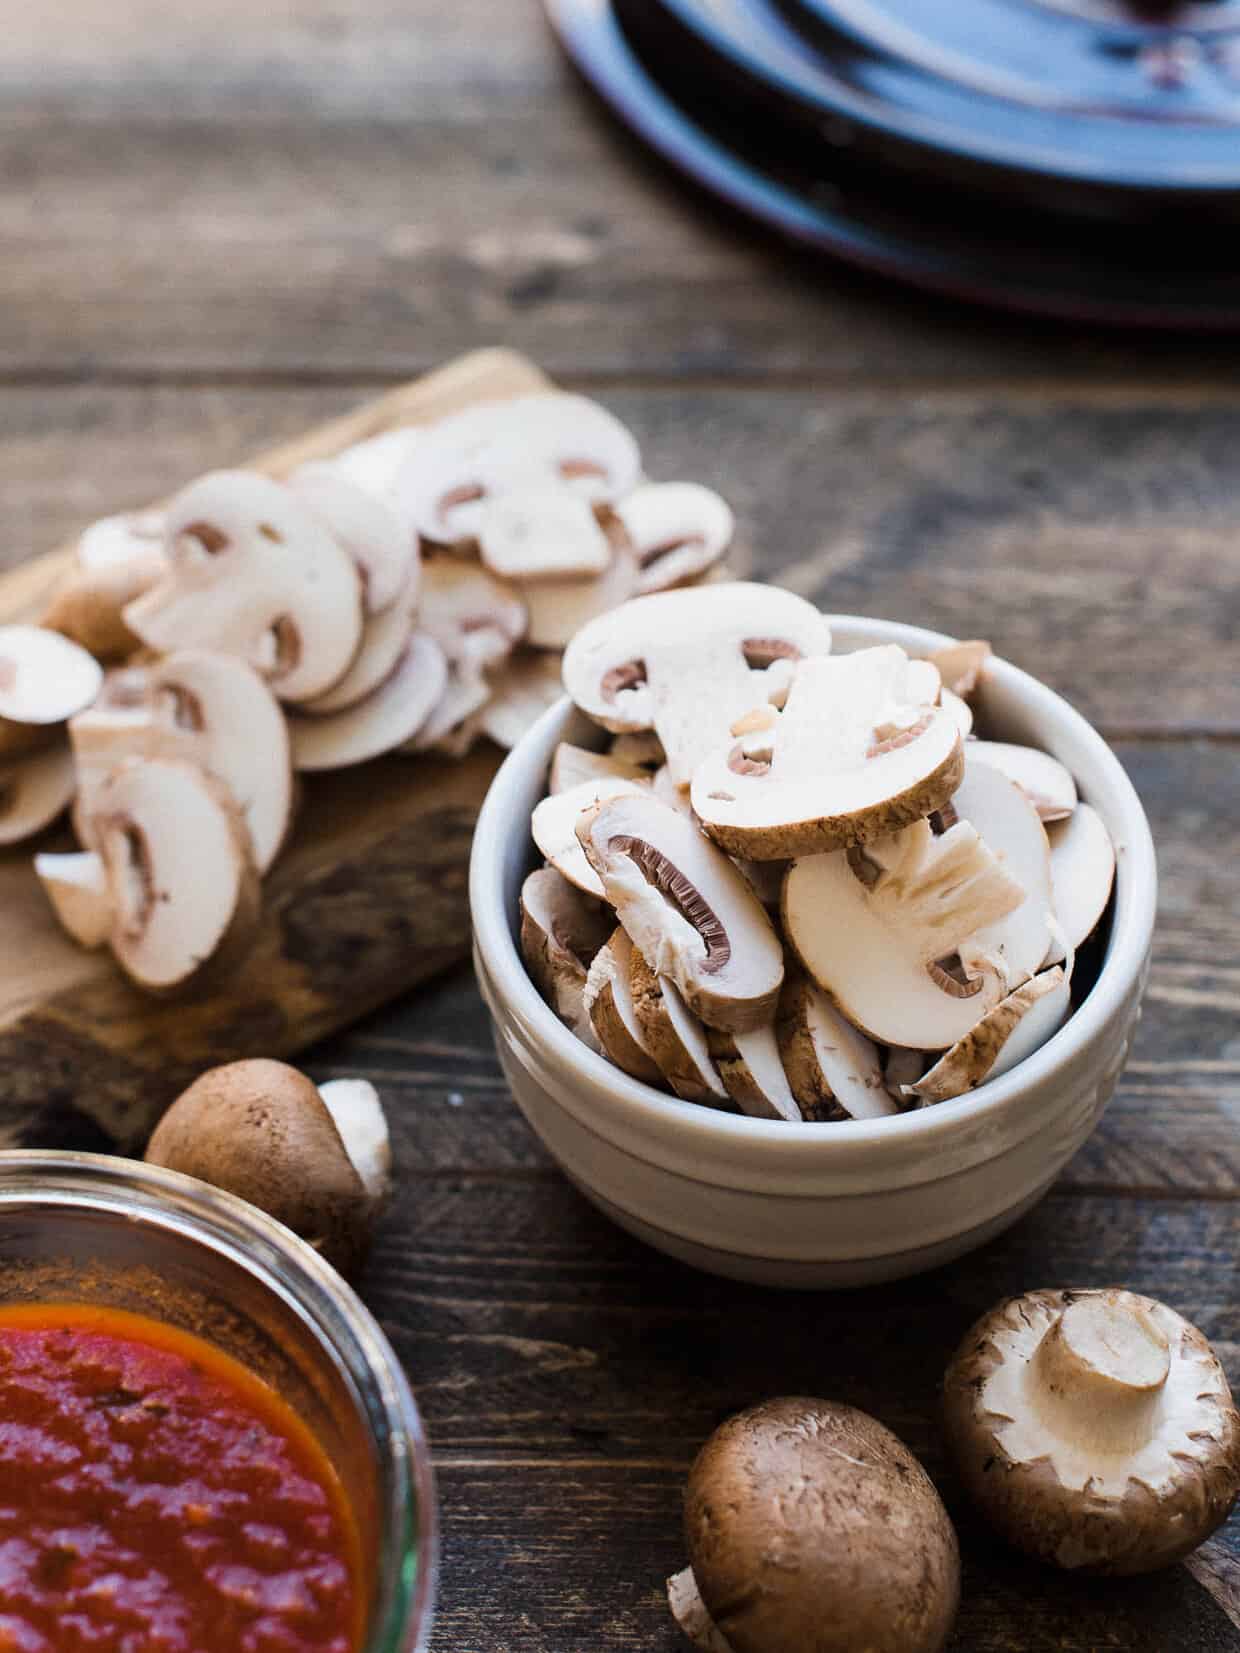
156,1497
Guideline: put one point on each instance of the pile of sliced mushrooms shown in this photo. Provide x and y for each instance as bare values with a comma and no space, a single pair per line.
798,884
413,593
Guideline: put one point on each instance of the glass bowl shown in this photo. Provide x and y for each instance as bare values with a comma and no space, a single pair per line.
90,1228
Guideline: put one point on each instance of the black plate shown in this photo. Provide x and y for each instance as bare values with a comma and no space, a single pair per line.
1115,198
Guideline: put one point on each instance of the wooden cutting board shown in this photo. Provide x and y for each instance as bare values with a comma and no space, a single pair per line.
369,898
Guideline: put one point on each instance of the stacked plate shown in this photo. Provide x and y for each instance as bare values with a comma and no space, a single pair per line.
1072,156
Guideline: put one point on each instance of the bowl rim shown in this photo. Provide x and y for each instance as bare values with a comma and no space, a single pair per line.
289,1269
1134,899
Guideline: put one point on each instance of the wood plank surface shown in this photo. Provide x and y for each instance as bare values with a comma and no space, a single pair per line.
222,223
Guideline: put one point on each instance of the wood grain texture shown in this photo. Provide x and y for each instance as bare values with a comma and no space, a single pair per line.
369,898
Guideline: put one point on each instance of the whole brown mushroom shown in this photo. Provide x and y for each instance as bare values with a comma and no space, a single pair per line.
812,1529
1094,1429
316,1161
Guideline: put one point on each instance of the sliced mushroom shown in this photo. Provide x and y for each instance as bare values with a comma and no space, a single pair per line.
118,558
1014,1029
833,1070
677,530
383,551
554,827
689,663
559,608
853,756
1009,827
608,1001
570,765
686,908
44,679
253,572
962,665
1082,873
385,638
476,619
898,952
673,1035
753,1073
316,1161
561,931
375,464
77,887
903,1067
455,720
118,541
202,707
667,792
395,713
1042,778
765,879
465,462
34,790
542,532
960,711
522,689
179,870
1093,1429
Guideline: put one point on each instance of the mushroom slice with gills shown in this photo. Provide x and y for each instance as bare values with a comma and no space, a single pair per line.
252,571
1008,825
179,869
202,707
690,663
674,1036
476,619
35,788
608,1001
570,765
44,680
385,637
557,609
677,531
961,666
468,460
752,1072
1014,1029
553,827
77,887
889,931
384,553
833,1070
561,931
1094,1430
542,532
687,909
522,689
1042,778
853,756
1082,873
396,712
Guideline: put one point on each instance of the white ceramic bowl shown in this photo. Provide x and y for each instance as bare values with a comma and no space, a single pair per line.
818,1205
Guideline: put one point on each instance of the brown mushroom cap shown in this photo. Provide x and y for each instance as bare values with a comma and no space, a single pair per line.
260,1130
1094,1429
812,1529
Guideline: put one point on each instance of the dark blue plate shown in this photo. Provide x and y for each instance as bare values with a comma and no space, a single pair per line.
1064,200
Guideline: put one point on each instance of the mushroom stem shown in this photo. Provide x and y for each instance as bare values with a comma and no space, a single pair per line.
689,1611
1099,1371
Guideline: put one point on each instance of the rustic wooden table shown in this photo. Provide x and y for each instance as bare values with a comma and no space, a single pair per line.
220,222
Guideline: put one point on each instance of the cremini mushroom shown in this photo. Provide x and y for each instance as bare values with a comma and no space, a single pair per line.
522,689
316,1161
561,931
608,1001
553,826
393,714
570,765
77,886
961,666
1042,778
1016,1027
690,663
854,755
366,526
34,789
673,1035
752,1071
686,908
178,865
811,1526
899,954
833,1070
677,531
252,571
44,680
118,558
542,532
1093,1429
205,708
1082,873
